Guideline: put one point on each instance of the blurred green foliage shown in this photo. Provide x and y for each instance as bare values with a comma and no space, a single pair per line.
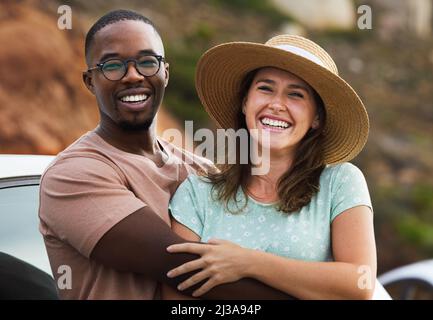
181,97
421,198
409,210
263,8
417,231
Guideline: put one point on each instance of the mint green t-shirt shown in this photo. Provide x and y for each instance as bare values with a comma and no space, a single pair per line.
303,235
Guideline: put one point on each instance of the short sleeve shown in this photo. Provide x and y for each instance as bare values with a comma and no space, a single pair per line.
349,189
82,198
187,205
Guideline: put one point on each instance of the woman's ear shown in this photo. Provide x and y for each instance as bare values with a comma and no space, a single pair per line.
244,105
315,123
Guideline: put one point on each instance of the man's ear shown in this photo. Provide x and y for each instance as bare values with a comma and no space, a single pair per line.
167,73
87,79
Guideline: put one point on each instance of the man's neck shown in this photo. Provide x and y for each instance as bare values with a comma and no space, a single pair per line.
142,142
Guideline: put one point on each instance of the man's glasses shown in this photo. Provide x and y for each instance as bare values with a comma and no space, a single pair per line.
116,69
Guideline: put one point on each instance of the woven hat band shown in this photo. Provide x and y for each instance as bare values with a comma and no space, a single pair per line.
301,52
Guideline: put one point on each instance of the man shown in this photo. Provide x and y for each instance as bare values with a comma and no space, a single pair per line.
103,201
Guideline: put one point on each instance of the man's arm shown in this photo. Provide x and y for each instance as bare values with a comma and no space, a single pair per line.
138,244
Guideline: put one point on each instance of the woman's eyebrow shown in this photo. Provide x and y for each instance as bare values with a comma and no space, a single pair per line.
291,85
269,81
298,86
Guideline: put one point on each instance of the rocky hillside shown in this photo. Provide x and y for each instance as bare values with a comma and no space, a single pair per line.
44,105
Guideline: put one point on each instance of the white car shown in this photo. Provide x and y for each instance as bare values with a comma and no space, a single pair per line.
410,282
19,205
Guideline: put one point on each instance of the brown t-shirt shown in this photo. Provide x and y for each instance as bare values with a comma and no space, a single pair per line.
89,188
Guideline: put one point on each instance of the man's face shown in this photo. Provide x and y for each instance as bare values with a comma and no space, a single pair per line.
127,40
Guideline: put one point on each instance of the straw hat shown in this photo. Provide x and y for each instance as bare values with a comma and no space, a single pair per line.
221,69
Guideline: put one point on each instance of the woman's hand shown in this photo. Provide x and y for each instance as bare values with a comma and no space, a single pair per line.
221,262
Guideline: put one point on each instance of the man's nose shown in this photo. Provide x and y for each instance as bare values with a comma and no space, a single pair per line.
132,75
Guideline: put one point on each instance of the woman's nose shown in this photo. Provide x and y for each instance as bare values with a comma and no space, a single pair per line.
277,106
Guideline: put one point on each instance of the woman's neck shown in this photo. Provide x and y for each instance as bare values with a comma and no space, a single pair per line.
265,187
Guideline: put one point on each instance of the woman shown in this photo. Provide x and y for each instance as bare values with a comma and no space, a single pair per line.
306,226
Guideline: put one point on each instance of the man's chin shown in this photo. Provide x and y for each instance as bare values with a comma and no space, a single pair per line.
135,127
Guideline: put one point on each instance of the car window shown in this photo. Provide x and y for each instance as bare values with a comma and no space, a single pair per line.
410,289
19,226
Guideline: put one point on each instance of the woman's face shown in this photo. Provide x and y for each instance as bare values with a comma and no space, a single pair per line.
282,105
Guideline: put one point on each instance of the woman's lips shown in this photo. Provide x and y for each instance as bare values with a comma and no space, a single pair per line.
274,124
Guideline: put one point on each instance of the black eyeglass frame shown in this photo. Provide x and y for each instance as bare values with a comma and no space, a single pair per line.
100,65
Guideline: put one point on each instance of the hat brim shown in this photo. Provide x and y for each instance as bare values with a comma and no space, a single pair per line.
220,72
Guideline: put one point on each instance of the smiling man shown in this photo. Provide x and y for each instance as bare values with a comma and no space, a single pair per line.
104,200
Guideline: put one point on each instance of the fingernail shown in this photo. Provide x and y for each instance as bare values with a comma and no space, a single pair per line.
179,287
169,248
169,274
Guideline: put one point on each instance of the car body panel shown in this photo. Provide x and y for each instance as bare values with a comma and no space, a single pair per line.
422,270
23,165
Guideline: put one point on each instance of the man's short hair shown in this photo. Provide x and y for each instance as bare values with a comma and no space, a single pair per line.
110,18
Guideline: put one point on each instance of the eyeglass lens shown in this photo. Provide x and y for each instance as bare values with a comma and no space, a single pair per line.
115,69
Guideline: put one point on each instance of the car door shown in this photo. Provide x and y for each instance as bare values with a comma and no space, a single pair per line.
19,222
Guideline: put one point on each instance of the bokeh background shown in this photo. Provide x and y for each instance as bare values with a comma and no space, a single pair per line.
44,106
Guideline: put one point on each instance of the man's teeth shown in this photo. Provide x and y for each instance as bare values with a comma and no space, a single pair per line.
275,123
134,98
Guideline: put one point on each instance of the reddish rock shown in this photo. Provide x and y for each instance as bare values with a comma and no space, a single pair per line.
44,106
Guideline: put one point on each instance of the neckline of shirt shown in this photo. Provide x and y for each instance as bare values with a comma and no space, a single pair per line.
264,204
160,143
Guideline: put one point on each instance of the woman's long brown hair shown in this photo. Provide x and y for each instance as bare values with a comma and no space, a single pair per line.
296,187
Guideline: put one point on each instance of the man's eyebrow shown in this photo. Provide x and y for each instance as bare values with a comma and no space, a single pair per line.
146,52
110,55
292,85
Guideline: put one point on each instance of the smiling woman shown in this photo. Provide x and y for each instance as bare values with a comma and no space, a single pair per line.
306,226
283,104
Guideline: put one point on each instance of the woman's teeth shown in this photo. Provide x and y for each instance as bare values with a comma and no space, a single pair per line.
134,98
275,123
